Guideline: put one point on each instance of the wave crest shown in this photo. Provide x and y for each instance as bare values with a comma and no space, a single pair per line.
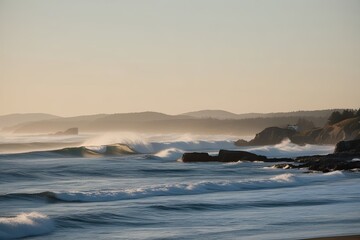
24,225
190,188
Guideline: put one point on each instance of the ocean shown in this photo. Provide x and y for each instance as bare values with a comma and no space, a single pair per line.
128,186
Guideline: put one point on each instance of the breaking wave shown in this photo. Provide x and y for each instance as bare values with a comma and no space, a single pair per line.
25,225
289,149
83,151
170,154
155,147
202,187
162,150
172,150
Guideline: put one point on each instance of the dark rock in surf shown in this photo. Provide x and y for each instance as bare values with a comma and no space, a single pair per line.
233,156
285,166
348,146
229,156
345,157
329,163
198,157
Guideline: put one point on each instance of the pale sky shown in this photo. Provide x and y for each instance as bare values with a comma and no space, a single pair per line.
72,57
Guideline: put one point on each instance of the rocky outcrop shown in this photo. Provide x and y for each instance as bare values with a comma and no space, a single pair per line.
269,136
348,146
345,130
229,156
198,157
328,163
345,157
233,156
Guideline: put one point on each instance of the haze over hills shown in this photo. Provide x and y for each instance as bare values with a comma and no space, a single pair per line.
221,114
217,114
18,118
143,116
200,122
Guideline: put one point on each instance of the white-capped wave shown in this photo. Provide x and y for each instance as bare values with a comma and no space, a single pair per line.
98,149
234,163
286,177
289,149
170,154
24,225
192,188
154,147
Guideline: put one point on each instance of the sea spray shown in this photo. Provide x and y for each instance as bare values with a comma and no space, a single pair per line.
289,149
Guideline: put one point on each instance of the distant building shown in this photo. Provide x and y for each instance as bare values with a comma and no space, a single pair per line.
293,127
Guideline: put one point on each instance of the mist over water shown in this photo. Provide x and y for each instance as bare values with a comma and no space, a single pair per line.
168,146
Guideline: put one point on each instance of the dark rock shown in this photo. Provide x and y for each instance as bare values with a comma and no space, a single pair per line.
279,160
229,156
224,156
341,159
198,157
330,162
233,156
348,146
284,166
328,165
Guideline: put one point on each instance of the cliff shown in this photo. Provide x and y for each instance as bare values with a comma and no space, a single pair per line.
345,130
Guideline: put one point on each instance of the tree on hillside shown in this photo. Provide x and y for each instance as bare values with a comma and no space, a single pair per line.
336,116
348,113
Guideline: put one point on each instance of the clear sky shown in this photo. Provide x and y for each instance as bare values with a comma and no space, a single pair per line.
72,57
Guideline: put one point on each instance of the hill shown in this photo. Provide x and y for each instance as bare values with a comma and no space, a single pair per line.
18,118
220,114
217,114
162,124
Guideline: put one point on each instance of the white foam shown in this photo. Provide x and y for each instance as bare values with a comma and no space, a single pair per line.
154,144
287,177
288,149
191,188
334,173
234,163
170,154
98,149
24,225
153,147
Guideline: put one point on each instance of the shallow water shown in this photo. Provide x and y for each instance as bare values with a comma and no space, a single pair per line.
150,195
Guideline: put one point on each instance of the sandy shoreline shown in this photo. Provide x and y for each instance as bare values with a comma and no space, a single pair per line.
350,237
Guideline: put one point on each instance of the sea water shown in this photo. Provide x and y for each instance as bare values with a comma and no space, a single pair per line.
150,194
